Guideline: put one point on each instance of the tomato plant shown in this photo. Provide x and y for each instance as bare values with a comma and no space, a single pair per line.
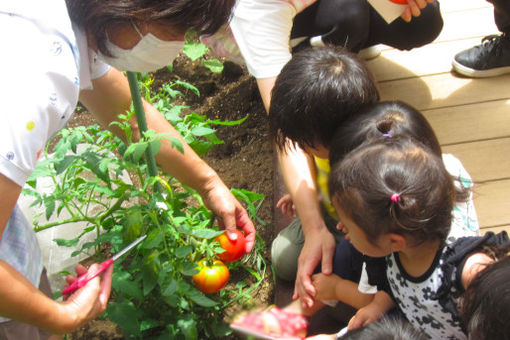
234,249
153,296
211,277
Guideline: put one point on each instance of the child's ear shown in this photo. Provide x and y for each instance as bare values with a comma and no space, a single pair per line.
397,242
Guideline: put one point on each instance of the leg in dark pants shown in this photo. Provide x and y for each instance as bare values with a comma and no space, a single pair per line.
356,25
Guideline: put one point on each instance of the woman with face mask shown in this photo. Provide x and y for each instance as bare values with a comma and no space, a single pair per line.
55,53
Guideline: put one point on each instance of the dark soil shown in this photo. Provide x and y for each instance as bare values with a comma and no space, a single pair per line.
244,161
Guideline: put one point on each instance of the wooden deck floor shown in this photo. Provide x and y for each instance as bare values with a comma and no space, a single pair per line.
471,117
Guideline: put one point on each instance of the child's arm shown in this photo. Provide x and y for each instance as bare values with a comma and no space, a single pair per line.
298,173
381,304
333,287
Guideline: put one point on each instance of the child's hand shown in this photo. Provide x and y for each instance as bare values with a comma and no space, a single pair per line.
88,302
380,305
365,315
325,286
286,205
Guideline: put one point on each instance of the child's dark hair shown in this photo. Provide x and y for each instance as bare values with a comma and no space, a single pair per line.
385,118
315,92
485,305
395,185
205,16
386,329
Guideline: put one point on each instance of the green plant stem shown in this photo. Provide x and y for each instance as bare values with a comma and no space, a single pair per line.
142,123
60,222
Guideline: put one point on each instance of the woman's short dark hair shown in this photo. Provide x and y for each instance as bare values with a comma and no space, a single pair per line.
96,16
363,183
315,92
485,306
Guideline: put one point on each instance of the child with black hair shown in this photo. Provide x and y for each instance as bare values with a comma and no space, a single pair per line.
316,91
394,198
485,306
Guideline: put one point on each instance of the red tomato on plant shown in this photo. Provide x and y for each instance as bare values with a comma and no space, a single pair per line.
211,277
234,250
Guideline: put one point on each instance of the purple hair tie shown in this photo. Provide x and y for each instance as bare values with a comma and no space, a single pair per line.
387,135
394,197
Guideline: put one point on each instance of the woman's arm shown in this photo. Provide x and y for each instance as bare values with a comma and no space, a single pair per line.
111,96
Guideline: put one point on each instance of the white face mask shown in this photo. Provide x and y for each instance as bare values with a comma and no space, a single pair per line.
149,54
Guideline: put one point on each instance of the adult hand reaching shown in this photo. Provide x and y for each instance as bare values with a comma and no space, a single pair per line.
229,211
318,246
414,9
88,302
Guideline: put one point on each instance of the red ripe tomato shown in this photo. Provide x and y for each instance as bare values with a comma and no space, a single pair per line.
211,277
234,250
400,2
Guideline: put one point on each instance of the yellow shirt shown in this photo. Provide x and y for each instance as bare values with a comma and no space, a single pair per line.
323,170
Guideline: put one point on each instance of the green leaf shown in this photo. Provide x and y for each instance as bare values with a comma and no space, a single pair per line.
188,86
155,145
135,151
153,240
194,50
150,270
206,233
188,327
64,163
125,314
189,269
93,162
182,252
202,131
122,283
202,300
66,243
170,288
132,223
49,204
149,324
214,65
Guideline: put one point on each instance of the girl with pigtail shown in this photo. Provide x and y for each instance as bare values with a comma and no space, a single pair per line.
394,198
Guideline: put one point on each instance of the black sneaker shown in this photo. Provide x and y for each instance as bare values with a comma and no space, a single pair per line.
491,58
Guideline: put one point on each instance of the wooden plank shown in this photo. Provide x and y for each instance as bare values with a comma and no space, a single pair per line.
448,6
468,24
445,90
477,121
484,160
492,203
430,59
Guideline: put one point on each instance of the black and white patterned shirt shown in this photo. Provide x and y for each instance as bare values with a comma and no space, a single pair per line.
415,298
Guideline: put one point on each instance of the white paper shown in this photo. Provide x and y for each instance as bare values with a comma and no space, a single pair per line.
387,9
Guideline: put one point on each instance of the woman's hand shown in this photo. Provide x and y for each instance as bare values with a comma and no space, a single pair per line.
414,9
229,211
88,302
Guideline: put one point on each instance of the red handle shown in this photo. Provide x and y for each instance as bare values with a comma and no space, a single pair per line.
82,280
